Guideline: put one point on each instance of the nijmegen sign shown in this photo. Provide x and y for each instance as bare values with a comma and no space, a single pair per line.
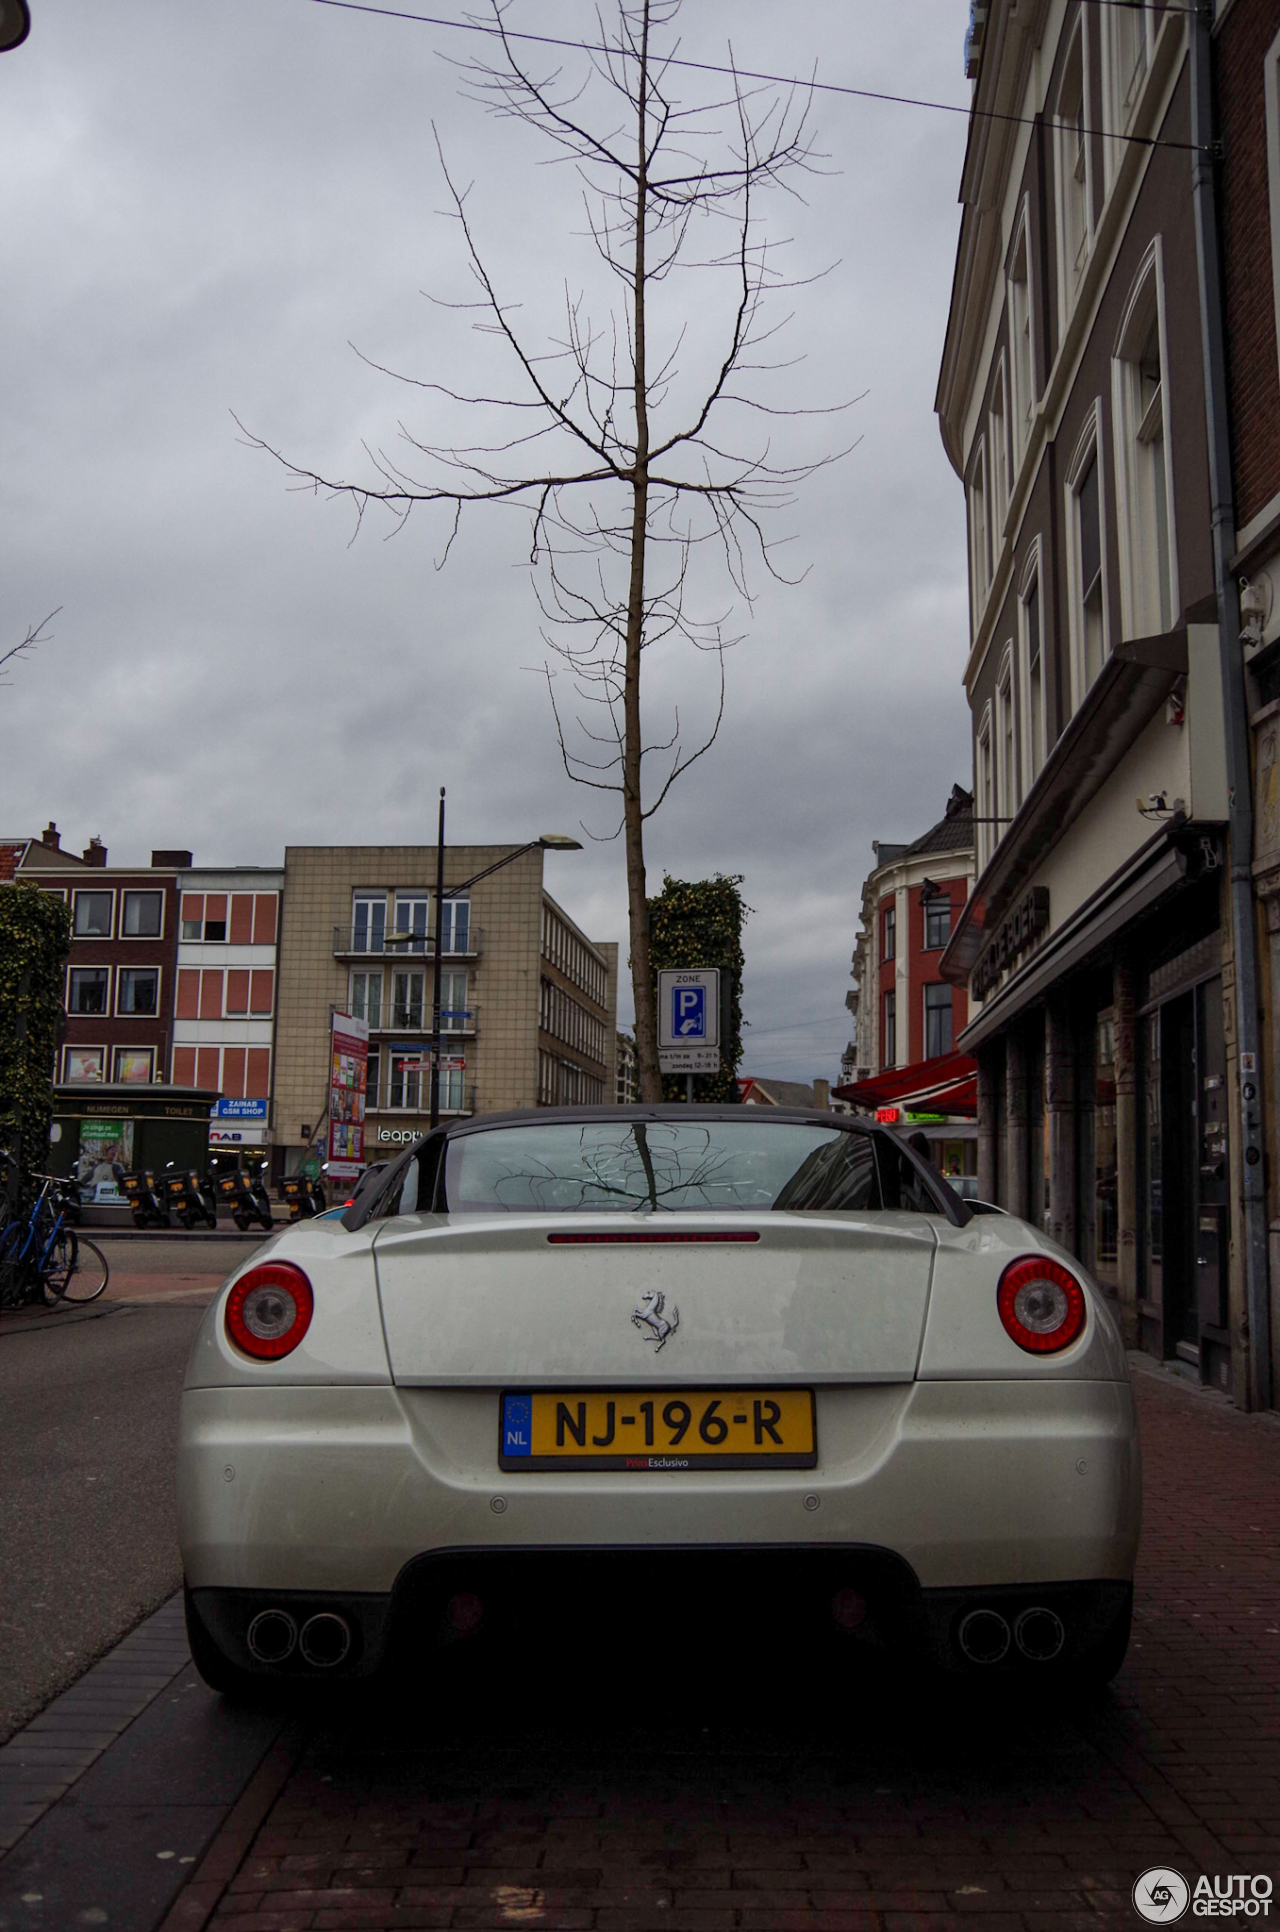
1016,936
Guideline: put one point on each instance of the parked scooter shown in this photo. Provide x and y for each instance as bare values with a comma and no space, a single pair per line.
150,1206
244,1198
304,1196
193,1203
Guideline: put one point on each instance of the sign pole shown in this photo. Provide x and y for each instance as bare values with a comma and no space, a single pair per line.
435,995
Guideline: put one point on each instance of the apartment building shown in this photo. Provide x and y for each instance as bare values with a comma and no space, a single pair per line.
225,998
528,1001
1102,947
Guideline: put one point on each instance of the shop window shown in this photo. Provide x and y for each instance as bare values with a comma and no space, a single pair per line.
1143,469
138,990
937,1021
455,1016
455,926
238,991
937,924
365,998
1104,1244
262,984
889,1053
83,1063
265,908
134,1066
87,989
91,918
242,919
142,915
368,923
412,923
890,923
407,990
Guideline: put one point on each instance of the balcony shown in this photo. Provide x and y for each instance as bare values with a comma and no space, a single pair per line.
360,946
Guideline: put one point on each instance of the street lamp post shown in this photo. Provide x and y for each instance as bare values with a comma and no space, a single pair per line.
548,842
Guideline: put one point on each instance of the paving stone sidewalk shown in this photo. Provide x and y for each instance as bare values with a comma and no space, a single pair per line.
643,1807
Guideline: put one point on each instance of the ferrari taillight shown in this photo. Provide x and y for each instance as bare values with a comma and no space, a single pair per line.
1041,1304
269,1310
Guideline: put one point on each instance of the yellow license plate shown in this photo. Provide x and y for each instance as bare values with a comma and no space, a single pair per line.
658,1429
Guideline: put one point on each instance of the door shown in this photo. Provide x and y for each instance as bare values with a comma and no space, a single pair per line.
1212,1186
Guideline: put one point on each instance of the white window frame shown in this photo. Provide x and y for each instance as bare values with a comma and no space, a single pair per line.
1033,754
1121,106
1007,768
1072,155
449,1024
1090,443
1138,506
99,892
979,498
449,925
1021,313
370,975
392,1020
372,895
413,896
928,987
984,788
999,469
129,1014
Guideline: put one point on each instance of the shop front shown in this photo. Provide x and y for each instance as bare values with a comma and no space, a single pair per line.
99,1133
1102,1051
936,1099
239,1135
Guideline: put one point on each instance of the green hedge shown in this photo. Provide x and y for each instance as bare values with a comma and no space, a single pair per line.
698,922
35,938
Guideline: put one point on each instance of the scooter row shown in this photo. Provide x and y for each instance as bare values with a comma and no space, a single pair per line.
180,1193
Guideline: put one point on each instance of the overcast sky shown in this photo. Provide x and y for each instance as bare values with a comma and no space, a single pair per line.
201,208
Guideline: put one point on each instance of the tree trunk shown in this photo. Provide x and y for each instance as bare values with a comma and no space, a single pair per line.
649,1075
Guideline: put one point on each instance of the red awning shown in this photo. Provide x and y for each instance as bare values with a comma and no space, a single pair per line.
947,1085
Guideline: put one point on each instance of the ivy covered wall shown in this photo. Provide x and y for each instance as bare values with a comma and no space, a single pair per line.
699,922
35,938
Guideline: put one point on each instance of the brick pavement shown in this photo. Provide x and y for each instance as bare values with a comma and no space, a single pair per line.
725,1801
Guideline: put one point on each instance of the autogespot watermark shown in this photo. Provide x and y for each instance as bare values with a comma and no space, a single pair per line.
1162,1896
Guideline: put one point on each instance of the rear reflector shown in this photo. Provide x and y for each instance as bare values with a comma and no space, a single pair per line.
641,1240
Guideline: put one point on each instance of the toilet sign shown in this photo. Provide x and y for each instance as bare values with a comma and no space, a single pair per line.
689,1020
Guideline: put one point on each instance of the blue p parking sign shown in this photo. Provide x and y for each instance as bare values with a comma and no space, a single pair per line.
688,1012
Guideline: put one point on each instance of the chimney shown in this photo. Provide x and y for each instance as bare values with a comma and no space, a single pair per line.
171,861
822,1095
49,837
95,852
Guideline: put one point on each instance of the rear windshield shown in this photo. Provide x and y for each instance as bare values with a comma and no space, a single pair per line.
567,1166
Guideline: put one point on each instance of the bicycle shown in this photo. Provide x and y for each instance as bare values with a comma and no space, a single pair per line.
41,1256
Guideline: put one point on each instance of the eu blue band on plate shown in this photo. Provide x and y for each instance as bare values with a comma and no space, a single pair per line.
517,1425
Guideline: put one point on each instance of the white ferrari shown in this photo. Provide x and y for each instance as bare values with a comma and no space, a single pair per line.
579,1360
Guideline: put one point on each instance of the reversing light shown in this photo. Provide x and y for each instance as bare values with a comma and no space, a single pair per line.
1041,1304
269,1310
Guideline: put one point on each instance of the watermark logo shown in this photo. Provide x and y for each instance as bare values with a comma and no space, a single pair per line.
1161,1895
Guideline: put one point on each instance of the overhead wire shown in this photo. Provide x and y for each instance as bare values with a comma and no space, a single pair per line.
785,80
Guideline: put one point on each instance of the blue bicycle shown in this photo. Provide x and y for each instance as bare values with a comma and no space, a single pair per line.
42,1257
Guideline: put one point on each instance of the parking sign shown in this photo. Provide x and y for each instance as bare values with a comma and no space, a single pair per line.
689,1020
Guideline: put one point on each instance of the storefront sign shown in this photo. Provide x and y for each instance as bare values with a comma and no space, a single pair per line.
239,1110
249,1136
348,1074
399,1136
1016,936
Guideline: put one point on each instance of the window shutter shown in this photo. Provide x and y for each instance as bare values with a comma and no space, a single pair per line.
240,931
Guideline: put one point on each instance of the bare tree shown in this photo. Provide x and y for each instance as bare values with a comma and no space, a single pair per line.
623,477
35,635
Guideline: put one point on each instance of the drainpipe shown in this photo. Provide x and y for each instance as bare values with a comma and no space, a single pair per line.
1235,708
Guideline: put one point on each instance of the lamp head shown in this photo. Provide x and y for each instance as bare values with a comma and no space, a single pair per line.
559,842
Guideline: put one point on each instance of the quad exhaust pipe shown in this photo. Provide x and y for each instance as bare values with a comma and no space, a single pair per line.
324,1640
985,1637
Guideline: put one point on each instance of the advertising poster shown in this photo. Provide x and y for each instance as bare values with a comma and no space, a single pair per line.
348,1075
106,1150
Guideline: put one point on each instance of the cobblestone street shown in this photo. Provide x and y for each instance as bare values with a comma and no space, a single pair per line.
757,1796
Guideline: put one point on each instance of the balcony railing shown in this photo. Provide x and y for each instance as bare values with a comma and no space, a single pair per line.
363,945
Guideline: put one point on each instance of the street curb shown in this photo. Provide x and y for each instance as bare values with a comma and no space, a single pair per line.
199,1898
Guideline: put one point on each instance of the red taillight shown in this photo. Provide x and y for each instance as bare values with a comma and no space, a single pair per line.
1041,1304
269,1310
